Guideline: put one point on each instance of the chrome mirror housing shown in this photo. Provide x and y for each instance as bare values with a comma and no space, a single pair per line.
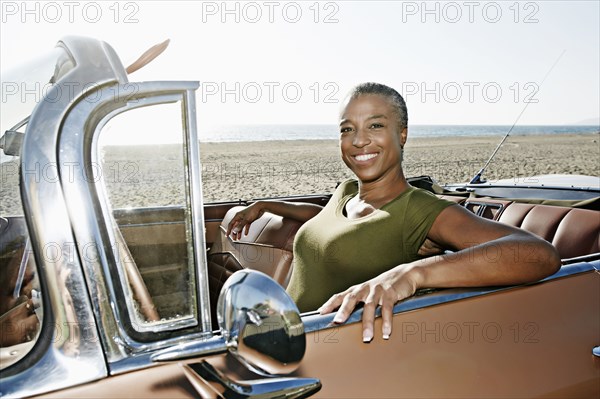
260,323
261,326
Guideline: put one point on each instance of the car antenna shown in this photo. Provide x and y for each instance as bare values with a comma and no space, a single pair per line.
477,178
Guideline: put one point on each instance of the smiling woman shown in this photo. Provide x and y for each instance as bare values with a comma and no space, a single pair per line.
379,227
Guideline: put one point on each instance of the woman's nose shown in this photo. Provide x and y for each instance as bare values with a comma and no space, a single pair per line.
361,138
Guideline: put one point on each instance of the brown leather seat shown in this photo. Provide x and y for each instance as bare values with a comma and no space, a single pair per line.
267,247
573,231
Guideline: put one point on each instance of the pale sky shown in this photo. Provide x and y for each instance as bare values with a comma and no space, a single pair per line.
471,62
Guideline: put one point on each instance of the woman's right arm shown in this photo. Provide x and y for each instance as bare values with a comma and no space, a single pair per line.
294,210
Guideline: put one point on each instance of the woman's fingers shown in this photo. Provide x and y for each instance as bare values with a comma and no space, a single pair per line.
368,317
383,291
347,301
332,304
350,299
378,296
230,226
242,220
236,226
387,311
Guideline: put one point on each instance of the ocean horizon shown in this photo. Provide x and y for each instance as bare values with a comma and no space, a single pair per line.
239,133
244,133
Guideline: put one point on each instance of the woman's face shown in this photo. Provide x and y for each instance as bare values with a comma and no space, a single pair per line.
370,138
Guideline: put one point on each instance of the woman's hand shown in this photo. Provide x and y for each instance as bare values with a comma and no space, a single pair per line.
294,210
243,219
384,290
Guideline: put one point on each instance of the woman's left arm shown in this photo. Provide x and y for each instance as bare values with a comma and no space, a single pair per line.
487,254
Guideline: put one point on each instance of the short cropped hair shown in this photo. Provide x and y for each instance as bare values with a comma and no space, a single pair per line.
392,95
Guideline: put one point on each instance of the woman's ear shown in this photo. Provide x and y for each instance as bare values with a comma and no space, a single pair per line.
403,137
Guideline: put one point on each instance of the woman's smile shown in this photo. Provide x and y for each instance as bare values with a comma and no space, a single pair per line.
364,158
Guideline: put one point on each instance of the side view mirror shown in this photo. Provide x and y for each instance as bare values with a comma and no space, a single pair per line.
261,326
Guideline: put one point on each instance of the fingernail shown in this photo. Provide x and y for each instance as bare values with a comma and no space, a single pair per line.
367,335
386,331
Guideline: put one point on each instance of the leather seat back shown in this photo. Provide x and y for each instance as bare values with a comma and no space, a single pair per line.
267,247
573,231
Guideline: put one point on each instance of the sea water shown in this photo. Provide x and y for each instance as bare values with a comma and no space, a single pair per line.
233,133
238,133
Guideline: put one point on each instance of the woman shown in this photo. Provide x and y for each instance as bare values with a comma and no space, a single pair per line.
367,243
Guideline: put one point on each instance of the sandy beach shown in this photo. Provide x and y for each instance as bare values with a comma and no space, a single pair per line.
262,169
152,176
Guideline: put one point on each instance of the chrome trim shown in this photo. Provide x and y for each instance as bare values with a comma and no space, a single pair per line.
189,350
517,193
87,204
583,258
209,382
133,225
196,205
314,321
493,185
69,339
148,97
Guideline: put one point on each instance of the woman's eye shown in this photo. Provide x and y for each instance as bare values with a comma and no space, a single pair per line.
345,130
376,126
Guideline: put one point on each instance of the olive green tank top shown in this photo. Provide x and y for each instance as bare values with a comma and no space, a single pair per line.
332,252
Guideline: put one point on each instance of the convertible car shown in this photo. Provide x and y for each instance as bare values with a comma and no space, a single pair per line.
104,295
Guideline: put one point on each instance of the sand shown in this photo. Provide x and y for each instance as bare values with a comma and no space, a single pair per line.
146,176
279,168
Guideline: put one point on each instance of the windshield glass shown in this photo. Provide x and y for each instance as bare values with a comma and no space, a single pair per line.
142,159
23,87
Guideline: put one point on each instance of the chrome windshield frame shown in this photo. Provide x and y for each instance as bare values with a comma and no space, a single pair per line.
152,94
73,336
89,206
69,338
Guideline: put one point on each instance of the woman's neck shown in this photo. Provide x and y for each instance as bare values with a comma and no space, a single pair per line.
379,193
373,195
